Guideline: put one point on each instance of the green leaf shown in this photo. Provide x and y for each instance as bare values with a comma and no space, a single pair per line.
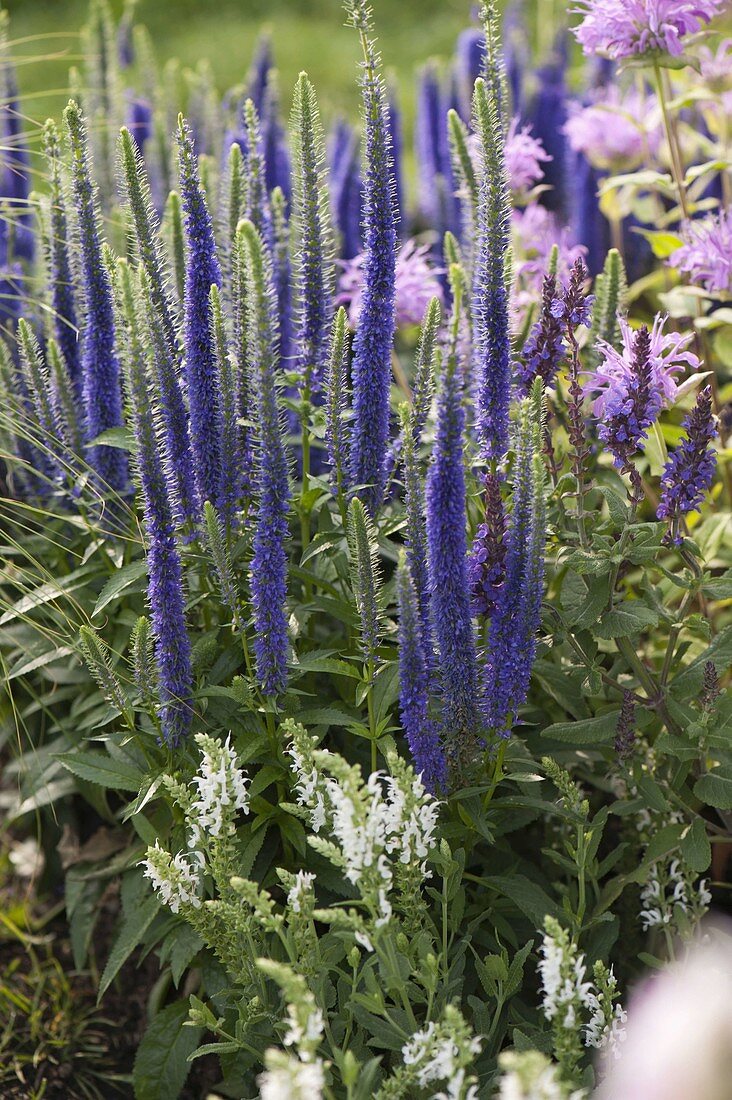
161,1063
718,588
715,788
117,584
695,847
98,767
533,902
134,927
587,731
632,617
121,438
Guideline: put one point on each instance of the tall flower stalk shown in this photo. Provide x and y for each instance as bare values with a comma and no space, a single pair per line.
202,272
371,369
448,565
165,585
490,295
61,279
99,362
269,557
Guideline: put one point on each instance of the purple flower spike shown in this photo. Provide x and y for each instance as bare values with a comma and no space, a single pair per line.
202,272
689,472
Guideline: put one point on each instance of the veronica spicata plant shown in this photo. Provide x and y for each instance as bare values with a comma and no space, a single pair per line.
367,566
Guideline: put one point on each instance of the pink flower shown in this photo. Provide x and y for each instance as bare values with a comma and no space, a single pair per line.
617,132
416,283
524,154
626,28
668,356
706,255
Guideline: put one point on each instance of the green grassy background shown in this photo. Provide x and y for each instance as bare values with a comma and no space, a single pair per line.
308,34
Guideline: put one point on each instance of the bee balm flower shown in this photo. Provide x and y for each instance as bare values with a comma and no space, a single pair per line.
628,28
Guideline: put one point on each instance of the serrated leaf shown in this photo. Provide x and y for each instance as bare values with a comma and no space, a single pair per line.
99,768
134,927
715,788
632,617
529,898
695,847
161,1063
117,584
587,731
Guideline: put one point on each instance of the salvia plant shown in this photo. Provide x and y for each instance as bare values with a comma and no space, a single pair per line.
367,557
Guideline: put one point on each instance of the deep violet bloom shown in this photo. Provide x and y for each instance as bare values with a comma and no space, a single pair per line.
706,255
394,122
15,170
417,283
99,363
438,205
588,224
626,28
372,346
516,616
492,345
689,472
547,115
448,571
202,272
165,584
140,120
60,275
346,188
420,729
544,349
487,560
269,556
469,61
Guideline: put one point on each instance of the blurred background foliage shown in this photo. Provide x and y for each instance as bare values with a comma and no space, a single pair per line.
307,34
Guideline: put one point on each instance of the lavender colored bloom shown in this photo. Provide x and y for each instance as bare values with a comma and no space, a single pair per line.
421,731
202,272
486,565
617,131
544,349
667,356
269,557
99,362
706,255
627,28
689,472
165,585
524,156
259,73
417,282
346,189
448,571
371,368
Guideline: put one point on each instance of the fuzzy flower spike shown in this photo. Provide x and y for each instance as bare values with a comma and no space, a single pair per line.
689,472
628,28
99,363
372,346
